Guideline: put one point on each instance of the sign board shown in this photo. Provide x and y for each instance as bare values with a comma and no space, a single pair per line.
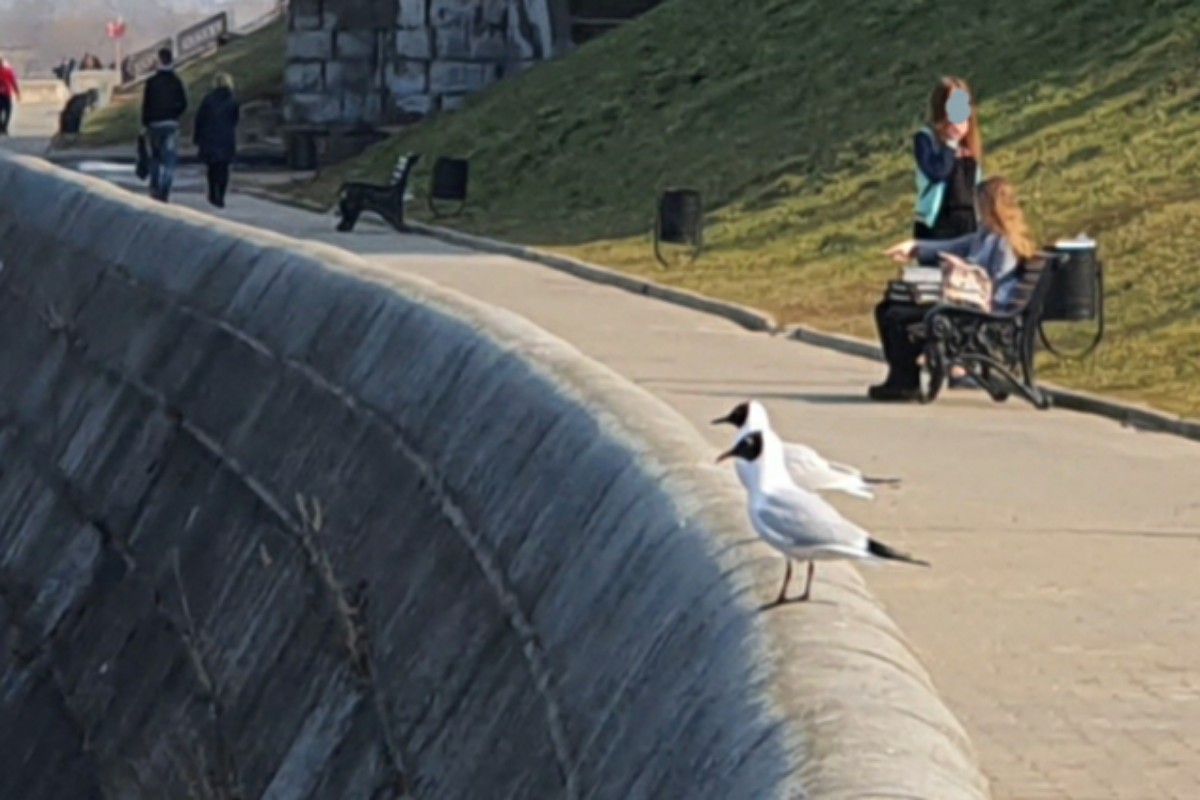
115,29
201,36
143,62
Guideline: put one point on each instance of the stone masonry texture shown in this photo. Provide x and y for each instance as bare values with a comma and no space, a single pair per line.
409,55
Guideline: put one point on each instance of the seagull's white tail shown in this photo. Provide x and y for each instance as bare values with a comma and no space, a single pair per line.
852,485
856,489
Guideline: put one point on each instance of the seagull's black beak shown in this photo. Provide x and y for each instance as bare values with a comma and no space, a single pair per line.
726,454
722,421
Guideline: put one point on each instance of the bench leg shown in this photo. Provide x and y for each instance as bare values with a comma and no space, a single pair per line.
395,215
1029,371
1025,388
396,218
935,371
996,387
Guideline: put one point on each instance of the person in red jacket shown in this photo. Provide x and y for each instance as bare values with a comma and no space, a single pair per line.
9,91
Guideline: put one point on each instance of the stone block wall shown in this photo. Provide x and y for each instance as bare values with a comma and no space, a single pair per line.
362,63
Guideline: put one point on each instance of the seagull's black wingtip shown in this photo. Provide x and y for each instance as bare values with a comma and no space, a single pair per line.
881,550
882,481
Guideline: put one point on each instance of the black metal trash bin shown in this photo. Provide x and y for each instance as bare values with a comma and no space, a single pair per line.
679,220
680,217
1075,287
449,183
449,179
302,151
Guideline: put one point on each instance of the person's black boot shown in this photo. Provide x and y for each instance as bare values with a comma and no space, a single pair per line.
890,393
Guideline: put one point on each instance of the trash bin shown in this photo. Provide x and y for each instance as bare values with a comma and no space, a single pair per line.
1075,289
680,217
302,151
449,179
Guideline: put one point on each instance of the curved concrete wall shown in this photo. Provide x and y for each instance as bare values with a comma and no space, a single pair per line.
276,525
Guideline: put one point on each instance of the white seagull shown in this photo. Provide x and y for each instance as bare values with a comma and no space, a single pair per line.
809,469
799,523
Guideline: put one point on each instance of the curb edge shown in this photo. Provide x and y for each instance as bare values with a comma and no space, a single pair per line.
1127,414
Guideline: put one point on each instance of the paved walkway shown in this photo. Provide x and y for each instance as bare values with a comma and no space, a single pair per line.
1061,618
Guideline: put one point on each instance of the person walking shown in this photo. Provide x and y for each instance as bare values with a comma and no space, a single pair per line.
10,91
215,135
163,104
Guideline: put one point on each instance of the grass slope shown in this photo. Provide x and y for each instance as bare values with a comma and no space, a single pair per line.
255,62
795,120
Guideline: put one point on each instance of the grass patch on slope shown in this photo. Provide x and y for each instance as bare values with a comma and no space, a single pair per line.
795,118
255,62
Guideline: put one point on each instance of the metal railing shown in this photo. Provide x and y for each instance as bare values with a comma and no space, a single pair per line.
263,20
195,42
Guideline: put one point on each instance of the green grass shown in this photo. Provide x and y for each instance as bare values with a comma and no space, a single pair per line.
795,119
255,62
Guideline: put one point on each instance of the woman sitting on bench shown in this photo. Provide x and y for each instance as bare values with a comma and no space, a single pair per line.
1000,244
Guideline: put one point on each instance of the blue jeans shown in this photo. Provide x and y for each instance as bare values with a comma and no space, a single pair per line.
163,142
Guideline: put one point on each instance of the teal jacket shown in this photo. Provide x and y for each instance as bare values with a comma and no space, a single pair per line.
935,162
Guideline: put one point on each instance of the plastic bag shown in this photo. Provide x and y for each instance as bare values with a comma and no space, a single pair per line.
968,286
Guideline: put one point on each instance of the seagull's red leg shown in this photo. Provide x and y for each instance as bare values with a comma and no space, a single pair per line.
808,583
787,579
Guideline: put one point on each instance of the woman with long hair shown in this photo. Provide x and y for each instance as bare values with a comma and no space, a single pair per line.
1000,244
949,163
215,133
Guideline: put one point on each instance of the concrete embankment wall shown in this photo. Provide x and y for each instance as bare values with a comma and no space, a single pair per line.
274,524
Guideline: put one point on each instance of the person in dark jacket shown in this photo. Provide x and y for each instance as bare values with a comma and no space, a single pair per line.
949,163
216,135
163,104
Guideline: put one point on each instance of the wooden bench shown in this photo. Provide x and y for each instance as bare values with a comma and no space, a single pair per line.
385,200
995,349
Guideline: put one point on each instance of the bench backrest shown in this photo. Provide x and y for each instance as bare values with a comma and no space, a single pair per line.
404,168
1029,297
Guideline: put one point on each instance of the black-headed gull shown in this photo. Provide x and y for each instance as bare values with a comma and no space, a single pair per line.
797,522
809,469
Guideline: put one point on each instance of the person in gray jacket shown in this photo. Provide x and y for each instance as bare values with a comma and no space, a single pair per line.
1001,243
